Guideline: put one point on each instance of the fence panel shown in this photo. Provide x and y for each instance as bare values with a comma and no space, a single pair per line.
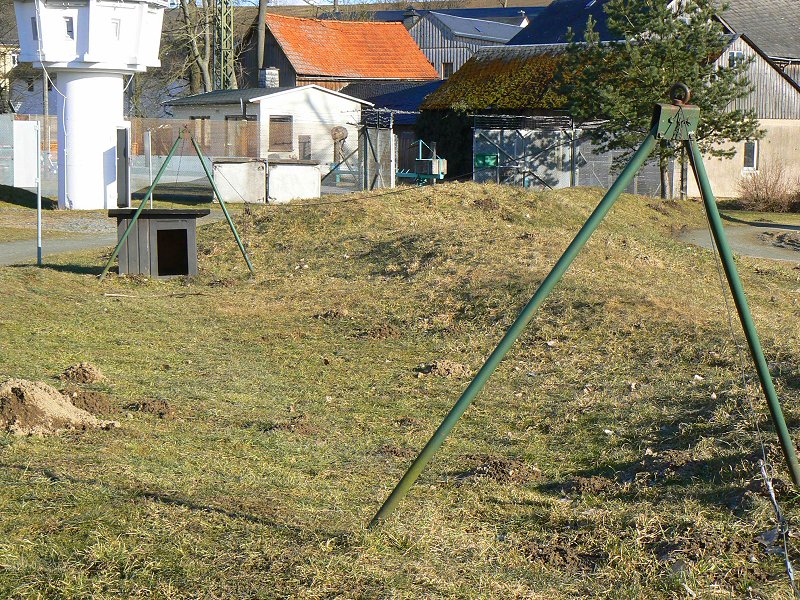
548,152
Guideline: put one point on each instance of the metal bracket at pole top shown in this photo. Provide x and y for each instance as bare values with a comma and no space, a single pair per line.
675,121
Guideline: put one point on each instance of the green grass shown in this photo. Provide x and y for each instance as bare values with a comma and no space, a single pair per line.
610,471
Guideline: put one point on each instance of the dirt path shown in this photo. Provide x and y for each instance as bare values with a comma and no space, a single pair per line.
775,242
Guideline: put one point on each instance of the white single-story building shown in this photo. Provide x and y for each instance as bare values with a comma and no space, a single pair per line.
302,123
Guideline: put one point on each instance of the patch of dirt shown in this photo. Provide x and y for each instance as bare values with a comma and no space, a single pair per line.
396,451
668,465
384,331
82,373
93,402
35,408
443,368
498,468
574,553
222,283
487,203
686,546
153,406
408,423
333,313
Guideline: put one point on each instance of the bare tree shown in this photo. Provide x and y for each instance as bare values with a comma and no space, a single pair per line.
197,32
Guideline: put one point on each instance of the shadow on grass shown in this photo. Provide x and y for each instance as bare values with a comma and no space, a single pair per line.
67,268
190,193
760,223
24,198
138,492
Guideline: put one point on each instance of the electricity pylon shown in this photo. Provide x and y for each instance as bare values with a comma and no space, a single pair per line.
223,72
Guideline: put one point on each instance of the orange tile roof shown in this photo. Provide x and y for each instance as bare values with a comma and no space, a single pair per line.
368,50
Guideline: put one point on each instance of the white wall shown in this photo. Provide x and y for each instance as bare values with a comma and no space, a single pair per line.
315,113
780,144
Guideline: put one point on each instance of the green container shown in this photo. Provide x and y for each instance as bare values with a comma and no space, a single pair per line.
484,161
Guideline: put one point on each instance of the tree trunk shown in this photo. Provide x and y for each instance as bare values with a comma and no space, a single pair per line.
663,165
200,60
261,33
683,174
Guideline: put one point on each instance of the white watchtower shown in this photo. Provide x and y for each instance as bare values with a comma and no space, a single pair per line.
88,47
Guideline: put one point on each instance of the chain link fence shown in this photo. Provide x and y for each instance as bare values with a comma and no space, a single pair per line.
550,152
351,157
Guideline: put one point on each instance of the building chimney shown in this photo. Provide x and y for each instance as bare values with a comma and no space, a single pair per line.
269,78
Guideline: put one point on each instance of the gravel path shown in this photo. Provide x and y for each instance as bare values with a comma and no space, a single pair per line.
100,230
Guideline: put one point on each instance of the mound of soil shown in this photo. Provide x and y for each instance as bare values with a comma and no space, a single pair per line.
153,406
384,331
96,403
499,469
35,408
444,368
82,373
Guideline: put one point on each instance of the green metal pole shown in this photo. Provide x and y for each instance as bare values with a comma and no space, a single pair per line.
742,308
222,204
141,207
516,328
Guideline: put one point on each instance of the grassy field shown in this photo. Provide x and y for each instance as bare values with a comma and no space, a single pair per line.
613,454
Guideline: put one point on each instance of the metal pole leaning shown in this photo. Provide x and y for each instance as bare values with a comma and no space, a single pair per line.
740,300
141,207
627,175
222,204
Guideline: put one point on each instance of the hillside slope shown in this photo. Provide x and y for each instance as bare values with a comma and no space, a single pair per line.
613,454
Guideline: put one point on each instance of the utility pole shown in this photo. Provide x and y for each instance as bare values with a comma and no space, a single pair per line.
223,73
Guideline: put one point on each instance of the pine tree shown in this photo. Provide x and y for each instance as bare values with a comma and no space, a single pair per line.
658,45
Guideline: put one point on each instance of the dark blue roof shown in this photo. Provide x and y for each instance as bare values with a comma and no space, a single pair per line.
395,96
479,29
551,26
499,14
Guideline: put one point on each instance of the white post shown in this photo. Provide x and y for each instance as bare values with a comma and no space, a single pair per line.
39,195
148,156
392,153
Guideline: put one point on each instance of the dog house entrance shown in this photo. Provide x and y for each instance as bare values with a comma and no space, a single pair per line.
173,252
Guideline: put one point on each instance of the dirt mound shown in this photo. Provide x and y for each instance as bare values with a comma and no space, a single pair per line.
384,331
498,469
35,408
443,368
96,403
153,406
82,373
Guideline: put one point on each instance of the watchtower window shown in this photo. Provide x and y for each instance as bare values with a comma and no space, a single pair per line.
70,27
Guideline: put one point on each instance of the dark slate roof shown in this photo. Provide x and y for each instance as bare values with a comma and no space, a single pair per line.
366,90
477,28
772,25
225,96
503,78
394,96
551,26
501,15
